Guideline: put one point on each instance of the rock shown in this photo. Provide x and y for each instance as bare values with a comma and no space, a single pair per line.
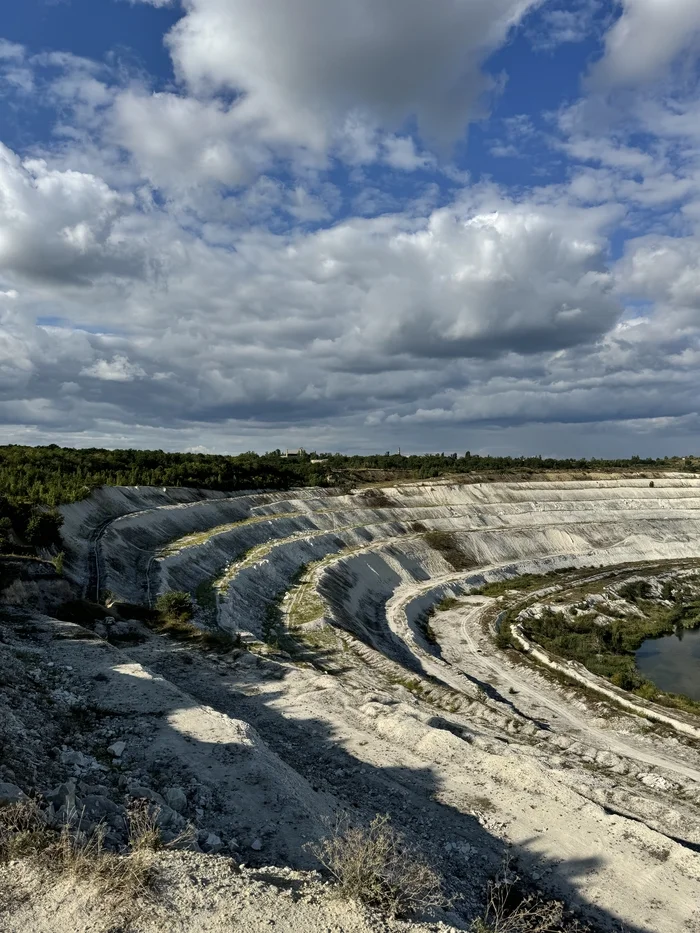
256,845
167,818
145,793
176,798
10,793
63,797
99,790
117,749
102,809
211,844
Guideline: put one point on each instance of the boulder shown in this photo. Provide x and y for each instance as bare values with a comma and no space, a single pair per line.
62,796
139,792
10,793
211,843
176,798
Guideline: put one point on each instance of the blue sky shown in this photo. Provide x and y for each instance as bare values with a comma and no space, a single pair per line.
456,224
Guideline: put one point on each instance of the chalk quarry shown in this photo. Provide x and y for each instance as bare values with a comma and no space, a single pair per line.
341,700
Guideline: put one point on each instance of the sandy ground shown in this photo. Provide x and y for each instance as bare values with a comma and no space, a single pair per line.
195,894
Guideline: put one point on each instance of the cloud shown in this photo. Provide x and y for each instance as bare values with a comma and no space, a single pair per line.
664,270
359,321
299,71
119,369
267,252
60,226
558,25
182,142
400,153
645,41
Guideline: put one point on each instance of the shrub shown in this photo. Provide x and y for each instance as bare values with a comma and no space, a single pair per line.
449,602
375,866
176,606
5,534
508,910
635,590
44,529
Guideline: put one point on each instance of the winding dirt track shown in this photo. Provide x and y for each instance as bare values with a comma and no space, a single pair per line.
469,656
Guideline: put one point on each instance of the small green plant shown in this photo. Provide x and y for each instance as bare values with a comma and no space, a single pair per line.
375,865
58,563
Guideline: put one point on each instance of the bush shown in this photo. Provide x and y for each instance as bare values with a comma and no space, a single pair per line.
375,866
635,590
508,910
44,529
175,606
5,534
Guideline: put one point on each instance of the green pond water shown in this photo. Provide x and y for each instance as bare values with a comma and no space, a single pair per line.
673,662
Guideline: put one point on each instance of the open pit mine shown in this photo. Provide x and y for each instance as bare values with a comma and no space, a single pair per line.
365,653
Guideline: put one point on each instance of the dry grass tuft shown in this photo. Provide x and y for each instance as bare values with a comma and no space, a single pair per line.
144,832
126,882
23,831
375,866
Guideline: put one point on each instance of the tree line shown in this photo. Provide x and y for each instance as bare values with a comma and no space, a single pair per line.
35,480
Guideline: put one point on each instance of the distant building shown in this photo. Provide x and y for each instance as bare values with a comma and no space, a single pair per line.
298,454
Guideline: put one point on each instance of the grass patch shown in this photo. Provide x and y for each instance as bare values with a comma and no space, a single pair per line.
447,603
524,583
201,537
375,866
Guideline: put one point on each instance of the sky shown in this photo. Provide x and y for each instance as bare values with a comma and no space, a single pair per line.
439,225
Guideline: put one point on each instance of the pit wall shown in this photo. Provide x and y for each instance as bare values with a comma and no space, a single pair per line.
357,588
130,544
93,519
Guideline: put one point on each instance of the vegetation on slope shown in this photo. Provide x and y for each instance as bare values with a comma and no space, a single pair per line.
605,636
